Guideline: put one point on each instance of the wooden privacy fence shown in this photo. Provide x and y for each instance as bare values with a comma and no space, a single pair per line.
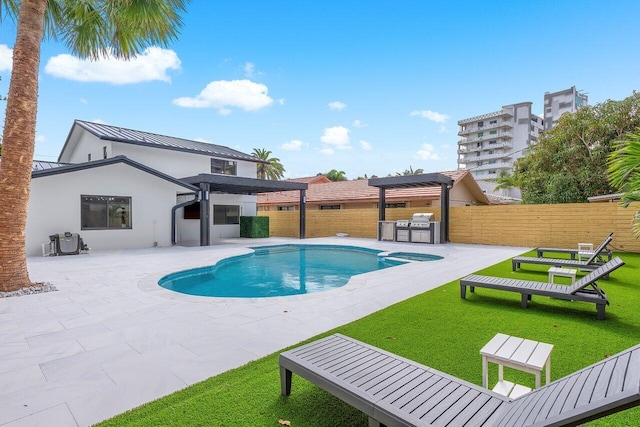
562,225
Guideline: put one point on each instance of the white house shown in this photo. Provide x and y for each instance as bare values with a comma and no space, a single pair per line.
121,188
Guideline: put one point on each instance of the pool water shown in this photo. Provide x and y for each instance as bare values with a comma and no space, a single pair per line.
278,271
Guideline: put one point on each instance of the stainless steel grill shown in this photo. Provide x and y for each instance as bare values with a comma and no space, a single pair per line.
402,231
420,228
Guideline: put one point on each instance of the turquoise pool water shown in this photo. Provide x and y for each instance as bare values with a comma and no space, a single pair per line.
278,271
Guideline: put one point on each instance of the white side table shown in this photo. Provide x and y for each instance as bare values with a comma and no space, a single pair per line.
564,272
518,353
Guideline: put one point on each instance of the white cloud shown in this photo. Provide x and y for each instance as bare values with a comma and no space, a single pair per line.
337,105
6,58
100,121
365,145
200,139
359,124
41,138
426,153
83,101
430,115
222,94
443,129
293,145
337,136
327,151
250,70
281,101
151,65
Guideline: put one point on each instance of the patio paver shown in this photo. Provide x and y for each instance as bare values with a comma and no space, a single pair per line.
110,339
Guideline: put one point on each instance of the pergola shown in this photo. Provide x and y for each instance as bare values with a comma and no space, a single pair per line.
425,180
227,184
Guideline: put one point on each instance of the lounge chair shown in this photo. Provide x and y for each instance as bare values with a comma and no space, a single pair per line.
394,391
586,289
573,253
592,263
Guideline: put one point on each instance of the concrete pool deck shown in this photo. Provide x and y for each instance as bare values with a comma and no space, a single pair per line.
110,339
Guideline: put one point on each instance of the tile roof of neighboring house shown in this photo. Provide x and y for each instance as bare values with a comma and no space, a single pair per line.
130,136
357,190
318,179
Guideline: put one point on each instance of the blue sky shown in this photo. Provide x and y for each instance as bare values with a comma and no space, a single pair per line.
366,87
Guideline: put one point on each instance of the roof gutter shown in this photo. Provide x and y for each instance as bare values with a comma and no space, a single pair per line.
174,239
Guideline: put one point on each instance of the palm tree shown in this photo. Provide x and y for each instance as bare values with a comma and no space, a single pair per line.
505,181
273,169
336,175
624,172
90,29
410,171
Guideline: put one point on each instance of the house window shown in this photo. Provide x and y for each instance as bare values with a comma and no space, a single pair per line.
480,124
491,171
226,167
493,132
329,207
396,205
89,157
493,142
105,212
104,152
480,163
480,134
226,214
493,122
286,208
191,211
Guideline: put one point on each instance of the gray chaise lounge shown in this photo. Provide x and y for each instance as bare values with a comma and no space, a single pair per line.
394,391
586,289
573,252
592,263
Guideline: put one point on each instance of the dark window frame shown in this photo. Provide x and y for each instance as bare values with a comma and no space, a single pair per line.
224,167
110,214
230,213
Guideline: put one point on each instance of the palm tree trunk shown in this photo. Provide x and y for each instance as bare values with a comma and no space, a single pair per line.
18,143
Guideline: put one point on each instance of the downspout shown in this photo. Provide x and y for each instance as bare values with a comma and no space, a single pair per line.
173,215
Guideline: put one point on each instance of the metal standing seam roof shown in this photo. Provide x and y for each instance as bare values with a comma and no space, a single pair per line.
136,137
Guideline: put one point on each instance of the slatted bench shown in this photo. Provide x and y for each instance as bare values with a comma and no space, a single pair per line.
394,391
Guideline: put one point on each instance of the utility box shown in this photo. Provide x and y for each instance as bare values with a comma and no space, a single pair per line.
254,226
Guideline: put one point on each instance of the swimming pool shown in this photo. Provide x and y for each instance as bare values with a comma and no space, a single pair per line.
278,271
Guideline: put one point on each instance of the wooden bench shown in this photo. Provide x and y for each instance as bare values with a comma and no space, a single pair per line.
395,392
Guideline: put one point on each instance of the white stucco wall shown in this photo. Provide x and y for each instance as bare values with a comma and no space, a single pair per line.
54,207
86,144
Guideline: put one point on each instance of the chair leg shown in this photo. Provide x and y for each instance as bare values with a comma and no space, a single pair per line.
285,381
525,299
463,291
600,308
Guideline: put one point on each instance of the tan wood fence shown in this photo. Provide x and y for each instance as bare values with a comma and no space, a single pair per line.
561,225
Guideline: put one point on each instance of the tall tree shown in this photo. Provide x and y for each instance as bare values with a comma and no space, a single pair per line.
273,170
90,29
335,175
569,162
624,171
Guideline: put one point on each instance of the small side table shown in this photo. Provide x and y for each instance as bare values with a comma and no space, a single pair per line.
518,353
564,272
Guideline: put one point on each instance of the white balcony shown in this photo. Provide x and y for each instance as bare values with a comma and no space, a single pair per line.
486,116
463,149
471,159
485,136
474,128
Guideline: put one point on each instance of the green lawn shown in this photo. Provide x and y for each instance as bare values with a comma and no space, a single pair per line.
436,328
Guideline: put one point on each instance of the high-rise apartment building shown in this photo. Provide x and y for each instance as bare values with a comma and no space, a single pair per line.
491,143
558,103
